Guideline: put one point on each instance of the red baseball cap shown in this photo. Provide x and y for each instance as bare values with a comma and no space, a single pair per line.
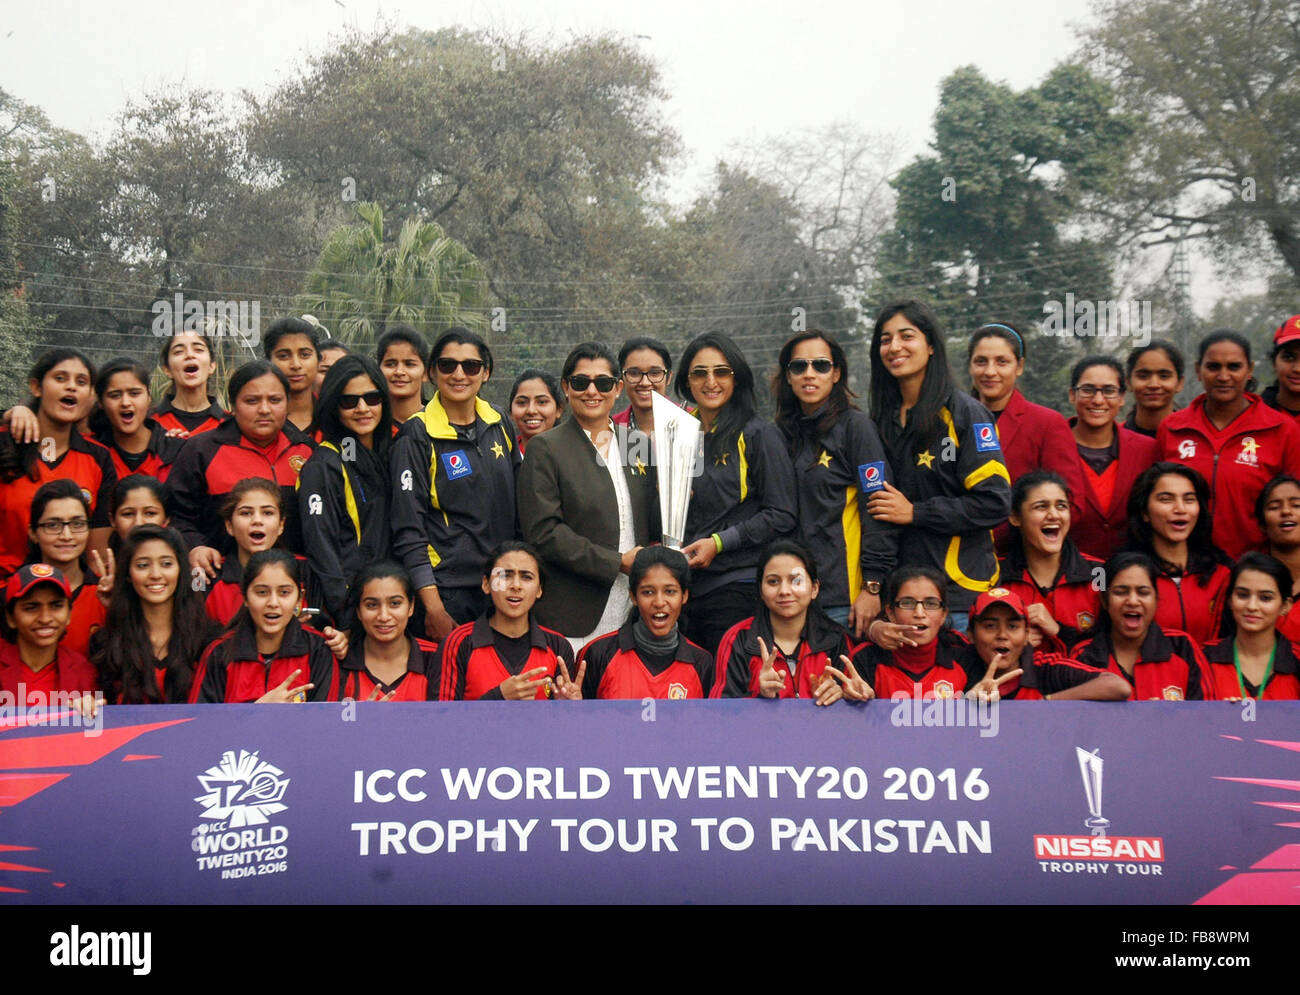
1288,331
998,596
36,573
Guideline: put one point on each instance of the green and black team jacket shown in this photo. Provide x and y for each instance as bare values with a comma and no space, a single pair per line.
453,494
343,508
835,475
960,490
746,496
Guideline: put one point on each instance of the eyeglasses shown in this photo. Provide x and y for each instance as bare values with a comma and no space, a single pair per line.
910,604
54,526
702,373
800,366
372,398
1088,391
447,366
655,374
579,382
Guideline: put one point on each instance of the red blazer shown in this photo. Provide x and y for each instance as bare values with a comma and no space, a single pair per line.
1099,531
1237,462
1037,438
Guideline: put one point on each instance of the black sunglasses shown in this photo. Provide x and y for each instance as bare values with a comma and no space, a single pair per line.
800,366
580,382
372,398
447,366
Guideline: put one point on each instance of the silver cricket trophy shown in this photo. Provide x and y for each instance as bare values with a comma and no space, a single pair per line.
678,461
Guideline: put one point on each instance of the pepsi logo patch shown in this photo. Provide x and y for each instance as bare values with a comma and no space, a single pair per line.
871,476
456,464
986,437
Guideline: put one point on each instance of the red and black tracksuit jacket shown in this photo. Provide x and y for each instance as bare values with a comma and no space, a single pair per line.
835,475
88,615
357,683
1170,665
155,461
1073,598
172,418
211,464
85,462
740,662
1237,462
616,669
470,668
1283,684
231,669
936,670
226,596
69,671
746,496
1193,603
1046,671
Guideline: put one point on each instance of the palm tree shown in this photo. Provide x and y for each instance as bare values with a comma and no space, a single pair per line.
360,285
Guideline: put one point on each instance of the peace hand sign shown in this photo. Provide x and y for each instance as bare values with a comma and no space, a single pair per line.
770,680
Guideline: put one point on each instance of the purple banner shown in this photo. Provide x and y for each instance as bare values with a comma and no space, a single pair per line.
744,801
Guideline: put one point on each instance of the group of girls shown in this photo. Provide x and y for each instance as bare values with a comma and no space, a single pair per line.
329,463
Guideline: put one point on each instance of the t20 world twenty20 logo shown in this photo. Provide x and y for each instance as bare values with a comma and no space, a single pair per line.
242,792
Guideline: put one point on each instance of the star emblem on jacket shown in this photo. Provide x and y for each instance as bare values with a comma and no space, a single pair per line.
497,450
640,466
925,459
721,459
825,458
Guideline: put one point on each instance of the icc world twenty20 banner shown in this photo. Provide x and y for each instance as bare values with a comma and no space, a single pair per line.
733,801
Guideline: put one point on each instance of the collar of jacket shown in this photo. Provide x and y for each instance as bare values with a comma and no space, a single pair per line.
818,635
1074,569
356,656
244,643
1257,416
439,426
1156,648
483,634
1284,660
228,432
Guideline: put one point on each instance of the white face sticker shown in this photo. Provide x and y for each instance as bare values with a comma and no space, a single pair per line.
500,578
799,579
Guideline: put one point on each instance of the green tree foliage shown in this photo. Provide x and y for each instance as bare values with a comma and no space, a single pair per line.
985,225
361,284
538,159
1216,88
19,327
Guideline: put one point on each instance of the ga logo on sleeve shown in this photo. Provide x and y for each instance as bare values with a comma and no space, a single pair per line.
871,476
456,464
986,437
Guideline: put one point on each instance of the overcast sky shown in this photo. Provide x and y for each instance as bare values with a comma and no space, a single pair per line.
736,72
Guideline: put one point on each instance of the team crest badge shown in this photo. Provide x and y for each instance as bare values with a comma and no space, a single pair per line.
1086,619
90,498
1249,454
943,689
676,691
296,462
42,570
1172,693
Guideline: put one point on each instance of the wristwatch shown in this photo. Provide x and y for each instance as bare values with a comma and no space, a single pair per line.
872,587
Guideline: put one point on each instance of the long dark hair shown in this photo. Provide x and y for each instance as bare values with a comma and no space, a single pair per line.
382,570
1202,555
740,409
1024,486
936,388
100,427
126,655
328,421
1116,565
788,408
1265,564
20,460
